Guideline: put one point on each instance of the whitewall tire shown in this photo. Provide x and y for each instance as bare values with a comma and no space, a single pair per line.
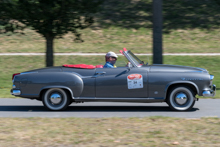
55,99
181,98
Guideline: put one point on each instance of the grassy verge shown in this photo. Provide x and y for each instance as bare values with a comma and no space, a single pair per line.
152,131
16,64
115,38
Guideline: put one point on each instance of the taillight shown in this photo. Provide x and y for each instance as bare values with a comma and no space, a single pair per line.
15,75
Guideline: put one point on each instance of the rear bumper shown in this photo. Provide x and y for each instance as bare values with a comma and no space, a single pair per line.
208,93
15,92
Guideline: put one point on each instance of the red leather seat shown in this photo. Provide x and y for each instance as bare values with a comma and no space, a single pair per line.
99,66
80,66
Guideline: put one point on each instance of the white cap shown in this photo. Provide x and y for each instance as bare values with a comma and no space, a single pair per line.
111,54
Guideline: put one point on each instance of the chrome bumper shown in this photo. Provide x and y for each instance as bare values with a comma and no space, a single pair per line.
15,92
208,93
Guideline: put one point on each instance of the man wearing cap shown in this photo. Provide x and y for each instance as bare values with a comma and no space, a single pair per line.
110,59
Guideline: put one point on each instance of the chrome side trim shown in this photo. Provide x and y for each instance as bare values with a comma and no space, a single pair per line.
15,92
143,100
208,93
28,72
119,98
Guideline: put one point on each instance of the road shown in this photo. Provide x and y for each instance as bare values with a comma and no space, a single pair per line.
20,107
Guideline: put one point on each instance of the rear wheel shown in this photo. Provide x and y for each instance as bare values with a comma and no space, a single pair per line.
55,99
181,98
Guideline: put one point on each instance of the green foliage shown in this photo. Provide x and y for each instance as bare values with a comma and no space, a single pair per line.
218,2
52,18
177,14
191,14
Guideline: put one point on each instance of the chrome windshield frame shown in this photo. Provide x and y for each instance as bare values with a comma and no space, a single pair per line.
132,58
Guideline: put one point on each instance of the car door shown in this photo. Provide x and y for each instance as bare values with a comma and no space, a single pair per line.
118,82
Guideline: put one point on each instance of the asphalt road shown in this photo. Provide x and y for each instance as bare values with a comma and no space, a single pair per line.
20,107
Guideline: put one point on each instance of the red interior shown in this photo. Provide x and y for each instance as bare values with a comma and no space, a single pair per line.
84,66
99,66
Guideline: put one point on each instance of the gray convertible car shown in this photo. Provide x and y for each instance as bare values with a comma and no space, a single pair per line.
58,87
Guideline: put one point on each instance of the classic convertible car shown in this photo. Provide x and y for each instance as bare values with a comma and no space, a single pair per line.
58,87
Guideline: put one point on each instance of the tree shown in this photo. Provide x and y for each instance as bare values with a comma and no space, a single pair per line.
50,18
218,2
157,32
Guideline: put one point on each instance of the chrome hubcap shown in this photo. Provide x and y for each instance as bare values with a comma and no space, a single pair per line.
181,98
55,98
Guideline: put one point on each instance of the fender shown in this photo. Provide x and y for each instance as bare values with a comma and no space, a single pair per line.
59,86
180,82
66,80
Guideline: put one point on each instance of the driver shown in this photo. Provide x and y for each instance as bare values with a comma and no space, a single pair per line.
110,59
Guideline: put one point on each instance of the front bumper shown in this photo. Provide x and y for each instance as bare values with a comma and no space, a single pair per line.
208,93
15,92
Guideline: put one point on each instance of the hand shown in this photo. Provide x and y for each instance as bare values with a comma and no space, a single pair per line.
128,64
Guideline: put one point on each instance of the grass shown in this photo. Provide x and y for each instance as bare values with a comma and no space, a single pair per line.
151,131
115,38
127,24
16,64
193,27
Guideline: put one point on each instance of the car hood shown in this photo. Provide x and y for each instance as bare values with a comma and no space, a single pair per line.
175,68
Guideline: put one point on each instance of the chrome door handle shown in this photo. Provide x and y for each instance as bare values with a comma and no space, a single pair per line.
100,72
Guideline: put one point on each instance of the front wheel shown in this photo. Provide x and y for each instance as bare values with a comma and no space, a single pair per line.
55,99
181,99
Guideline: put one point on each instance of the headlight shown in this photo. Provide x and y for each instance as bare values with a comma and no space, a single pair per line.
211,77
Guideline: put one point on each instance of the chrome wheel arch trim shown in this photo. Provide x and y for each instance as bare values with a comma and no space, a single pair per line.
61,87
180,82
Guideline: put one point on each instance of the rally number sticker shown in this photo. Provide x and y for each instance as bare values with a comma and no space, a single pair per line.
135,81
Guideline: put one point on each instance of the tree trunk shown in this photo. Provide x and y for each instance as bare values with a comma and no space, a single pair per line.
157,32
49,52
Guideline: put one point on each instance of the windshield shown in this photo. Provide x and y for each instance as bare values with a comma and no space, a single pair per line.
134,58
